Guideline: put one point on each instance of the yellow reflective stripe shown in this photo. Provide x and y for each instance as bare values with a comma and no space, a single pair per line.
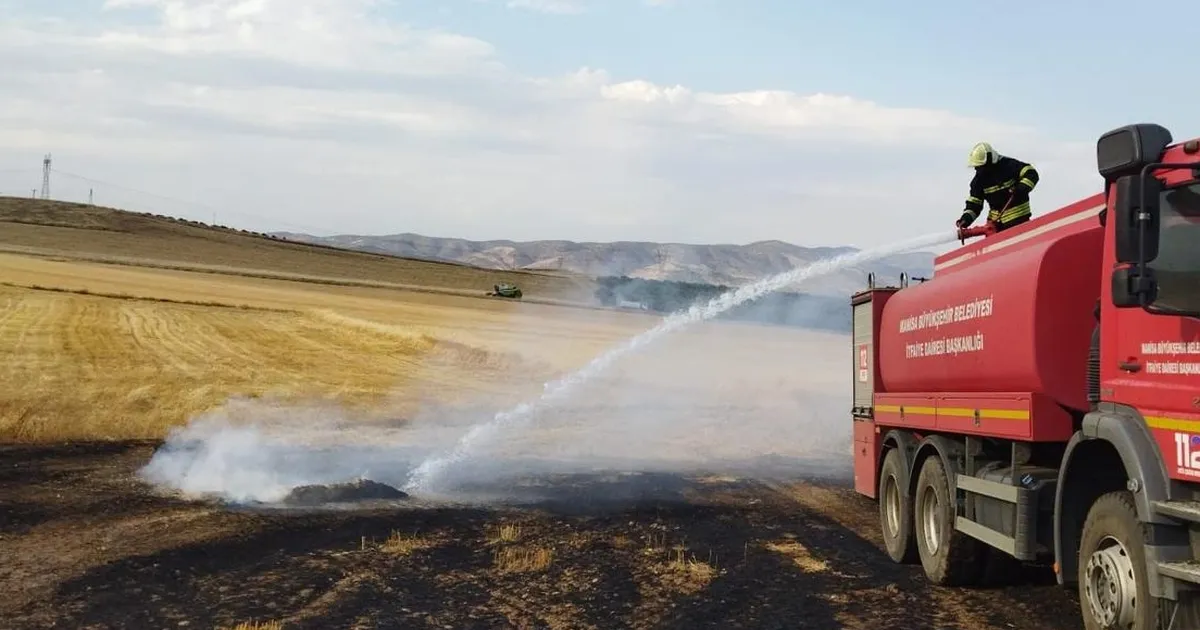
1015,212
958,412
1028,182
998,187
1173,424
993,414
1025,170
921,411
1154,422
974,200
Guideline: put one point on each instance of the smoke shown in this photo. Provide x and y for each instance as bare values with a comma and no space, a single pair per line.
257,450
715,397
425,476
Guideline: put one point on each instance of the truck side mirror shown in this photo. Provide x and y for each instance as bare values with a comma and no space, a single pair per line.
1125,150
1130,289
1137,224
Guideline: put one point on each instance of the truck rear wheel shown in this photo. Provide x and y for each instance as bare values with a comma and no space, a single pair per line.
1114,589
949,557
895,512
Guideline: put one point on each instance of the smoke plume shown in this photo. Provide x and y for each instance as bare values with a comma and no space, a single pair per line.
712,397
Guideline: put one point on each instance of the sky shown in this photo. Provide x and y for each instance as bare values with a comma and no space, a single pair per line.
691,121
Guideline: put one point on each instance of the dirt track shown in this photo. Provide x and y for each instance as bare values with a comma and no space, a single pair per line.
84,545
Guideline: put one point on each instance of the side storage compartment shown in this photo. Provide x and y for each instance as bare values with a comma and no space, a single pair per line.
866,457
865,307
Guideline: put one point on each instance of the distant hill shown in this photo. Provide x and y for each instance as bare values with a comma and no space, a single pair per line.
730,265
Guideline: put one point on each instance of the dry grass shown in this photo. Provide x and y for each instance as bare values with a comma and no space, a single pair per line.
401,544
84,367
470,321
108,352
258,625
799,555
509,557
522,559
676,567
126,296
504,532
621,541
681,562
87,367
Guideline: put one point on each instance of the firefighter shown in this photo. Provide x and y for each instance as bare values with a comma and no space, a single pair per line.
1004,183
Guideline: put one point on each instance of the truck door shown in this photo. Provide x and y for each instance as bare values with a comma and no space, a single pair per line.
1155,358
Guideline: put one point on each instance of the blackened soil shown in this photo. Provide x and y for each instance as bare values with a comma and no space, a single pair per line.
84,545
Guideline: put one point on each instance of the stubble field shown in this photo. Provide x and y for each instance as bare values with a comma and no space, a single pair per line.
702,483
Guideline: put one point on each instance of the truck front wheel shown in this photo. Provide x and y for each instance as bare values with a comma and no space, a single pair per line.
1113,585
949,557
895,511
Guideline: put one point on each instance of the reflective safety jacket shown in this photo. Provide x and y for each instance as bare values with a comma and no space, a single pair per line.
995,183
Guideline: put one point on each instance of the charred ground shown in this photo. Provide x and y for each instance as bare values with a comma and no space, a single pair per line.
94,300
85,545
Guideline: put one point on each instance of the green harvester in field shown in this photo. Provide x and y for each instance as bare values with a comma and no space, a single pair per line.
506,290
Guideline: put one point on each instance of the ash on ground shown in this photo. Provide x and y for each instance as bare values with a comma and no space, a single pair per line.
360,490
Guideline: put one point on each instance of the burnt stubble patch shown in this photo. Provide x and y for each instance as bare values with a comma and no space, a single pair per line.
580,551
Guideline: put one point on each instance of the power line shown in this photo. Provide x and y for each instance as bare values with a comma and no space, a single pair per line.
212,209
131,189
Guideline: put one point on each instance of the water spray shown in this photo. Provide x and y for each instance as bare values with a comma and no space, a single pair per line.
423,478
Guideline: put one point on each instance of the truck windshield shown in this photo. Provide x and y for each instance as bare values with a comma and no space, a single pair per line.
1177,266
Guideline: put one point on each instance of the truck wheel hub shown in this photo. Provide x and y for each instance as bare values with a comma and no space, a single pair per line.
892,503
1109,587
931,525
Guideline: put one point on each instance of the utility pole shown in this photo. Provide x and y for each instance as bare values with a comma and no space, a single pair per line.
90,197
46,177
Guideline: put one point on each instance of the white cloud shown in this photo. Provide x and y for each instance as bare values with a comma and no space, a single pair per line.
549,6
569,7
324,115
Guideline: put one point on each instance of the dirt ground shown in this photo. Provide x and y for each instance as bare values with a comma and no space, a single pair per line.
83,544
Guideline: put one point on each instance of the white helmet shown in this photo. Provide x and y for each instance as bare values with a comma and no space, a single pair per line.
982,153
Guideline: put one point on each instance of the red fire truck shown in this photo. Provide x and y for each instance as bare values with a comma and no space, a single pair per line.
1038,399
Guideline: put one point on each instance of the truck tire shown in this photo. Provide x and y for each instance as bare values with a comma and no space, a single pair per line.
1114,589
895,513
949,557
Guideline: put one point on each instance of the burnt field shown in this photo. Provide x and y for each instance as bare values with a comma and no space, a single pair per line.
104,361
86,545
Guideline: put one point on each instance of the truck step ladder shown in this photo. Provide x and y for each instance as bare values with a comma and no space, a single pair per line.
1187,511
1182,571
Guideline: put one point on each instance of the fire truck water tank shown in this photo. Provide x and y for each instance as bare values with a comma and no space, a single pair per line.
1020,320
